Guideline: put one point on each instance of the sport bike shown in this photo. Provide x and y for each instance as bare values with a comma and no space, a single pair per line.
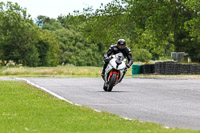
115,71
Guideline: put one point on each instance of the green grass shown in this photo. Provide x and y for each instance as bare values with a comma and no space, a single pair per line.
60,71
26,109
69,72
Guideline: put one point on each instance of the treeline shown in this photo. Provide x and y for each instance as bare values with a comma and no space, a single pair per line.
152,29
24,42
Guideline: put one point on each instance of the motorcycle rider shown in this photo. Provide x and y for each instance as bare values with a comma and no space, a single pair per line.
120,47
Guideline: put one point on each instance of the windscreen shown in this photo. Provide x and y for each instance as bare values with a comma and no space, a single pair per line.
119,57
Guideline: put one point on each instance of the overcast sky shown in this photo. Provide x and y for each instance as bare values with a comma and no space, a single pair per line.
54,8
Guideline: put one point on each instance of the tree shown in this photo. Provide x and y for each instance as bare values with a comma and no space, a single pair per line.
193,27
47,23
106,25
76,49
48,48
17,35
163,19
24,42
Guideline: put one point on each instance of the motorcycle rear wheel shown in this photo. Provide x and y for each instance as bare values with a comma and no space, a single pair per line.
112,82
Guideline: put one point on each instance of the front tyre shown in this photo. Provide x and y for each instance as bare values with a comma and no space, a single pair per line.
112,82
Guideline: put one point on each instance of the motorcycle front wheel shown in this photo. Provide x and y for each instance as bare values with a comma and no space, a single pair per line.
112,82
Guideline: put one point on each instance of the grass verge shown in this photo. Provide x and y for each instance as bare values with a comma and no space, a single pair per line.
27,109
70,72
60,71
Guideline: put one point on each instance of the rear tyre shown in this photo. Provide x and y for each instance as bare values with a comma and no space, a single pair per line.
112,82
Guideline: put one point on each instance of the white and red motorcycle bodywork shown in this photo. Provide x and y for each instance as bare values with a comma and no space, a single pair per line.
115,71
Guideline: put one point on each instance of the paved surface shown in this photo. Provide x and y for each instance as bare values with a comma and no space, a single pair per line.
170,102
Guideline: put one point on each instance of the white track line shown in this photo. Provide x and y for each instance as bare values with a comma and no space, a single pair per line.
52,93
166,127
48,91
126,118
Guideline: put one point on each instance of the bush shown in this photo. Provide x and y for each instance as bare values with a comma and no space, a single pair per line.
142,55
10,63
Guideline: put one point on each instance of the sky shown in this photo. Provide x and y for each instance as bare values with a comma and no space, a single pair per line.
54,8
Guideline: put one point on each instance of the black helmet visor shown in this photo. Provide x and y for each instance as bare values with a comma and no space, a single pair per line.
121,46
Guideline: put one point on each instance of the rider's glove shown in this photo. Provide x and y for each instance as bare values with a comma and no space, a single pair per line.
125,70
105,56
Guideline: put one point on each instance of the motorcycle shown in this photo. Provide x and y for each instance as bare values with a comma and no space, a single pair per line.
115,71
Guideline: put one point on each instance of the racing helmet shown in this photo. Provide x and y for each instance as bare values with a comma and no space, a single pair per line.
121,44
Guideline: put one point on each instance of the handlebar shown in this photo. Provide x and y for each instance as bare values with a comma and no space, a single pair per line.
108,58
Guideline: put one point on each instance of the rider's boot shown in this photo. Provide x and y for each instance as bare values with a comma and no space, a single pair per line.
103,70
103,73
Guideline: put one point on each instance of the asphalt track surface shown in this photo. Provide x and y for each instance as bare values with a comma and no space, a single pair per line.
169,102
